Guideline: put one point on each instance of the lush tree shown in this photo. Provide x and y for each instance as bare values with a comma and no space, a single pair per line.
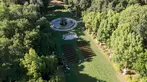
107,26
88,17
127,41
19,31
124,32
4,11
37,67
141,64
84,4
32,62
106,5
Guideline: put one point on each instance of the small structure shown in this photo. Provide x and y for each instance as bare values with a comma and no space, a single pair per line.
63,22
67,67
124,71
69,36
110,56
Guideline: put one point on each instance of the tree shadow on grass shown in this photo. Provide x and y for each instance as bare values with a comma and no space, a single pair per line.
52,8
79,30
86,50
81,77
84,47
88,78
58,14
71,58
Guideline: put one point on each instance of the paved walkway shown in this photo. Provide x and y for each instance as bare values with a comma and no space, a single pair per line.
71,24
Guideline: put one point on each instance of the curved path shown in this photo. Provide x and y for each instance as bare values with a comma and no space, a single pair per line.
55,24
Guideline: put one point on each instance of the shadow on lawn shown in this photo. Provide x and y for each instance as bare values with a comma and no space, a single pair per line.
84,47
78,30
59,11
72,59
58,14
52,8
88,78
85,77
86,50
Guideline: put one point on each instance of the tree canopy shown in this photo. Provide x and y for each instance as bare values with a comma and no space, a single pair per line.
23,29
123,32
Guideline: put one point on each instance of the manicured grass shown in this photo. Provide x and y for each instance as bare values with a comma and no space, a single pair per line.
98,69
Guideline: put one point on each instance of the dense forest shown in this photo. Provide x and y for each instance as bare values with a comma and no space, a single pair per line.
122,25
23,30
26,44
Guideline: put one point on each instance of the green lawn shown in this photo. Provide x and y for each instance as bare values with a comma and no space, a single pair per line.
98,69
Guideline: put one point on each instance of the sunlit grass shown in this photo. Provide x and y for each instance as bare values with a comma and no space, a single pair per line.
98,69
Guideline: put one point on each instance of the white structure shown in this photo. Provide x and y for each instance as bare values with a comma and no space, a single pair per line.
67,67
70,36
110,56
56,24
124,71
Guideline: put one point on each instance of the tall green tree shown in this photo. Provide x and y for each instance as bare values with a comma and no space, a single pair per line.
127,41
18,32
32,62
37,67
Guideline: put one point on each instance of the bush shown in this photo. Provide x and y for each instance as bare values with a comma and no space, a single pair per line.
144,79
117,67
128,78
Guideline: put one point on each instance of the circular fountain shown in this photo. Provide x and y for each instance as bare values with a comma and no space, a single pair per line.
63,24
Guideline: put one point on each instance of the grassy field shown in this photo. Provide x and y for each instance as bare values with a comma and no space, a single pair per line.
98,69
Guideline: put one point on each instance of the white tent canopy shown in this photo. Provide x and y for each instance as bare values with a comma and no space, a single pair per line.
70,36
